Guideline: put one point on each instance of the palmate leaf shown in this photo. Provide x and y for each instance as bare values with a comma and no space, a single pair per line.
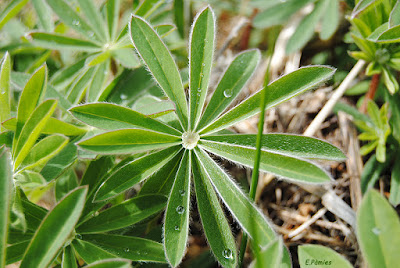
176,224
161,64
200,62
278,91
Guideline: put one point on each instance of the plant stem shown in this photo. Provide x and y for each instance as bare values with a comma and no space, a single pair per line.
255,174
325,111
371,91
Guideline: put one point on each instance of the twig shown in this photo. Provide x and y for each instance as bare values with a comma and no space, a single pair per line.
307,224
316,123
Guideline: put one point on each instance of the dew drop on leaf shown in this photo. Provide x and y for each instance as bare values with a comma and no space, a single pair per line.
182,192
126,249
228,93
376,230
176,228
76,22
123,97
180,209
227,253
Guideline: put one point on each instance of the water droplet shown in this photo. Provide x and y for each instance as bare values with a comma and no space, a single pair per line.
91,34
227,253
126,249
76,22
203,64
376,230
228,93
180,209
177,228
123,97
182,192
78,236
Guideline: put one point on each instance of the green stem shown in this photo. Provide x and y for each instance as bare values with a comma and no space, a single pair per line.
255,174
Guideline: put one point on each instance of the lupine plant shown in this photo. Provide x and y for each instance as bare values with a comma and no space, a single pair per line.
179,147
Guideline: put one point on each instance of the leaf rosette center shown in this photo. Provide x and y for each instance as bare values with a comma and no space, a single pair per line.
190,139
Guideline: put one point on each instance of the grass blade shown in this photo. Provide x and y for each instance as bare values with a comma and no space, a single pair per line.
54,230
232,82
215,225
125,141
134,172
176,223
160,63
200,62
112,117
249,217
279,91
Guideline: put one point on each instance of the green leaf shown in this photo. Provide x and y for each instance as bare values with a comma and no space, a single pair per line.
378,228
96,86
160,63
330,19
54,230
131,248
162,181
65,75
215,225
316,255
111,263
278,14
78,87
11,10
286,144
30,97
34,214
275,163
305,31
89,252
57,165
15,252
71,18
5,199
5,94
112,14
6,138
392,35
394,197
44,15
279,91
147,7
230,85
176,223
179,17
32,129
53,126
200,62
394,19
65,184
43,151
94,18
124,214
126,57
249,217
164,29
68,258
112,117
134,172
271,256
59,42
126,141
